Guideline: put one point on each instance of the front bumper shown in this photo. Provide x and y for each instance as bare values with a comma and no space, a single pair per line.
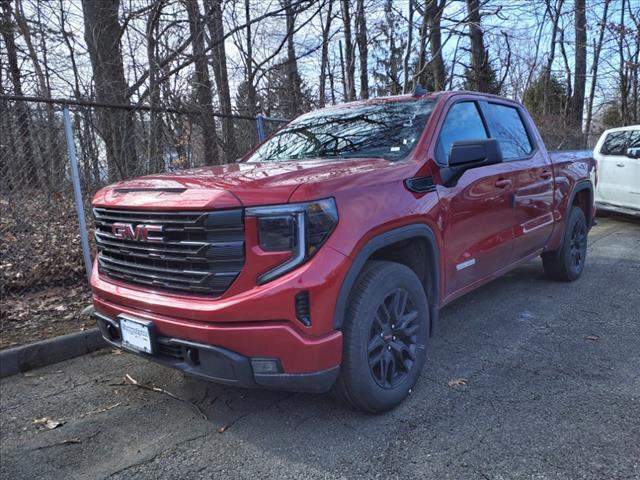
217,364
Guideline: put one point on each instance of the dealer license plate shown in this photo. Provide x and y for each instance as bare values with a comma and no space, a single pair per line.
136,334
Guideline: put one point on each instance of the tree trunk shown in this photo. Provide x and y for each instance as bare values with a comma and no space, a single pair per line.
479,58
252,95
555,18
419,76
26,159
407,52
155,122
343,76
219,61
202,85
594,69
293,107
580,62
324,55
102,35
349,65
361,40
622,74
433,12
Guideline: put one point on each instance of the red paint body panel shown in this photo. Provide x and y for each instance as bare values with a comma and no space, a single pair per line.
481,230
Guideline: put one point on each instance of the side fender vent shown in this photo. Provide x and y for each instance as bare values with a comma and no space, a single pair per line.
420,184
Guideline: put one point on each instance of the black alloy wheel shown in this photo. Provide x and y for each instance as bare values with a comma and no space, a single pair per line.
393,340
384,337
578,246
566,263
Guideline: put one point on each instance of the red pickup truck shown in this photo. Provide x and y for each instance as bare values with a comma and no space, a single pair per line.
321,259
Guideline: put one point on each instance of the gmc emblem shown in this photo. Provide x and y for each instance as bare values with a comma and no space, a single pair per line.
140,233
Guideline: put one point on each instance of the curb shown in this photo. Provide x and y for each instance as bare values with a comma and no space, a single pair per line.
46,352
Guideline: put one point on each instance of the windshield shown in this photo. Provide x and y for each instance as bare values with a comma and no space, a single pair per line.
387,130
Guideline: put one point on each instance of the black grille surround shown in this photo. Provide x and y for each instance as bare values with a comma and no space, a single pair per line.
200,253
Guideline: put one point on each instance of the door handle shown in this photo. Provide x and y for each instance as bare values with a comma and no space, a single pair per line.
503,183
545,175
619,164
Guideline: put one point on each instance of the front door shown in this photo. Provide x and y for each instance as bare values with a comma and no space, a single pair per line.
532,177
478,233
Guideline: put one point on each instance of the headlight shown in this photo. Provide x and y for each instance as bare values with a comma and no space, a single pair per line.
301,228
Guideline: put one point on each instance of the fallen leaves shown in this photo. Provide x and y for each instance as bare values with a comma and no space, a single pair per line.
456,382
42,276
592,338
46,423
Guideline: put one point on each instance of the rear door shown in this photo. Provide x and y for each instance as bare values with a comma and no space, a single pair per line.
478,229
532,175
618,175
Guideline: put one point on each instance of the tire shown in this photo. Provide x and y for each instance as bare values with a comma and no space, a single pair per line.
567,263
385,333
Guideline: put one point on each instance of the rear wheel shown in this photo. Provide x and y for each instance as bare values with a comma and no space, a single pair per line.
567,263
385,334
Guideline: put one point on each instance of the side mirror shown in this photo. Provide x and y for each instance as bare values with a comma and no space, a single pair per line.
468,154
633,152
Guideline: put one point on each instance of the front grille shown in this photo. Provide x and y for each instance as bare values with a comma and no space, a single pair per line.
200,253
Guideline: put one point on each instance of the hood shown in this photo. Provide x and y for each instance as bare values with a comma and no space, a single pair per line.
233,185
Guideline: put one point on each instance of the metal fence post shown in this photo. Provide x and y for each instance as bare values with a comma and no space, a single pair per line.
77,193
260,127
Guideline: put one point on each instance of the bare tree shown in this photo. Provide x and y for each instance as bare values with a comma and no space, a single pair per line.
580,65
479,57
102,33
407,51
219,62
622,71
433,14
155,120
597,48
202,85
554,11
349,58
324,56
361,40
23,118
293,76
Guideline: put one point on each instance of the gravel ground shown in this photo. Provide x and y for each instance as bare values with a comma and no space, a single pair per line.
526,378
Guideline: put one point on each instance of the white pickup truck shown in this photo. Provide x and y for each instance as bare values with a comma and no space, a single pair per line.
618,156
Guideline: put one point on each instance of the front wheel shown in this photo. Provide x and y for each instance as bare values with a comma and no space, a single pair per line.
567,263
385,334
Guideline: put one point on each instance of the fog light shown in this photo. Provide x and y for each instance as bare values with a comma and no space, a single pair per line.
265,365
113,332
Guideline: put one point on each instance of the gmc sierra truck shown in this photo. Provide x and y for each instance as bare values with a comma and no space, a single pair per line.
321,259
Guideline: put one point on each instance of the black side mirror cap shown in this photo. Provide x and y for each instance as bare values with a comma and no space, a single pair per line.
467,154
633,152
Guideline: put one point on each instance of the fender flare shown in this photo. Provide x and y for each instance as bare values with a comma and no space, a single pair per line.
382,240
581,185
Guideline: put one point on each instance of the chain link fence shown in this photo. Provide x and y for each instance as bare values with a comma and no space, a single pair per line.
43,285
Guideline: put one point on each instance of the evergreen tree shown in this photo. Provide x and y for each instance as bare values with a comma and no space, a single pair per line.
471,79
536,96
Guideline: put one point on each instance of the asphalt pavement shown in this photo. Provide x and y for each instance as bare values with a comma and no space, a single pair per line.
526,378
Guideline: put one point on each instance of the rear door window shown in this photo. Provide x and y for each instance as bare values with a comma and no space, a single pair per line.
616,143
463,122
507,127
